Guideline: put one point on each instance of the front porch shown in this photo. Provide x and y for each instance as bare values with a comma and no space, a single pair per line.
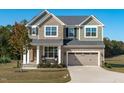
38,54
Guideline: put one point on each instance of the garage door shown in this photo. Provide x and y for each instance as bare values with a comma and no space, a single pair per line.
75,59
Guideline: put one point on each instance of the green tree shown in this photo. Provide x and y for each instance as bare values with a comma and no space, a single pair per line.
4,43
108,47
24,22
113,47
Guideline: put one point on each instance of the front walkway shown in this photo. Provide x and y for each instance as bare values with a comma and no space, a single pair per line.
81,74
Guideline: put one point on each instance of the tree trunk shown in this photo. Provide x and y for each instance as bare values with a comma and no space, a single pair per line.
21,62
21,57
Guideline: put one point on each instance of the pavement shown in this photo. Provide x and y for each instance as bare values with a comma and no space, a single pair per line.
82,74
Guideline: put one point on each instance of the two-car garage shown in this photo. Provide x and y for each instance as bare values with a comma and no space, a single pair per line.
84,53
85,58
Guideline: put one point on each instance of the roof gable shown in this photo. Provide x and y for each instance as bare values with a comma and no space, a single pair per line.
41,18
91,20
37,18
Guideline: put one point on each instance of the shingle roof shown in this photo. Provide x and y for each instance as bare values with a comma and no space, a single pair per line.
87,43
72,20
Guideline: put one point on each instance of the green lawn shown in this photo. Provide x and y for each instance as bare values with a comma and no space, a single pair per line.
9,73
116,63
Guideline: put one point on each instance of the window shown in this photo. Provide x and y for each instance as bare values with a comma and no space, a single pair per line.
51,52
71,32
51,31
34,31
91,32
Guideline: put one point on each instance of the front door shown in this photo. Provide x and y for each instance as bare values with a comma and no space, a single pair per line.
33,54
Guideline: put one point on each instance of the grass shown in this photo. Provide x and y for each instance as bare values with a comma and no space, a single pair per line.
116,63
10,74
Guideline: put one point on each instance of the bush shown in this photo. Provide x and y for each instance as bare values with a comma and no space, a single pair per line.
107,65
43,65
5,59
50,65
54,65
63,64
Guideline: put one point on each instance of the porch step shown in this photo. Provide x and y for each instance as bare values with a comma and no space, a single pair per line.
29,66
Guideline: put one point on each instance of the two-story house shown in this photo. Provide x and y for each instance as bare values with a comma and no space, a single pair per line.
74,40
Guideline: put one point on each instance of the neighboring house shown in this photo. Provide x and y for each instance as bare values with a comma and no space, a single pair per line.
74,40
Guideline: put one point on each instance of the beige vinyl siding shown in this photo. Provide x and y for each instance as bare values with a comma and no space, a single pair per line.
51,21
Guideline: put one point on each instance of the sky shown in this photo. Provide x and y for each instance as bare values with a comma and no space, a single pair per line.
113,19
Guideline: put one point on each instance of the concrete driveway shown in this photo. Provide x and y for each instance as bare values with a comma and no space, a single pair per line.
82,74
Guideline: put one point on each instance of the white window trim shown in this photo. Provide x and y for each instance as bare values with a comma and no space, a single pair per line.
34,26
91,26
73,31
50,26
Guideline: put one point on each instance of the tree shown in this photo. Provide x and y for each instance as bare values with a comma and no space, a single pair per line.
19,39
108,47
4,43
113,47
24,22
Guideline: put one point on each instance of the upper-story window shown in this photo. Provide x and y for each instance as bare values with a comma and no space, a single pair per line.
51,31
34,30
91,32
71,32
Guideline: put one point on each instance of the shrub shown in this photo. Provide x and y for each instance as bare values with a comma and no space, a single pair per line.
43,65
5,59
50,65
107,65
54,65
60,66
63,64
47,64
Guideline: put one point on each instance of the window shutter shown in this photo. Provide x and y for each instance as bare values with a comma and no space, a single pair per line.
75,31
66,32
30,30
36,30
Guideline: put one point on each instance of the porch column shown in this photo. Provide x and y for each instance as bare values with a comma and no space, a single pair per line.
38,54
24,58
59,54
28,56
